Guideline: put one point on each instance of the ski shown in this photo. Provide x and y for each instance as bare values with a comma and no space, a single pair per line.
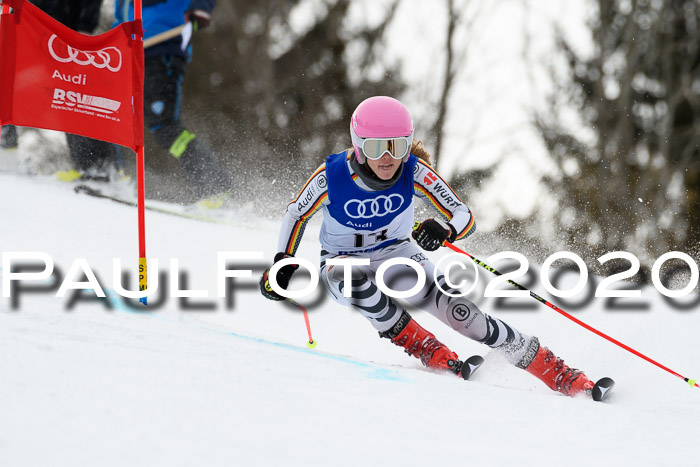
94,178
469,366
84,189
602,389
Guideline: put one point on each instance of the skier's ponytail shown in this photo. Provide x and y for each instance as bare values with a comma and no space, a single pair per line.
418,150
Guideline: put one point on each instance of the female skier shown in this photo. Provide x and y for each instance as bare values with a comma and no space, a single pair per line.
366,194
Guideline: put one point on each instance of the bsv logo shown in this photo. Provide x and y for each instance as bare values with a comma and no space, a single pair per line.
375,207
85,101
109,57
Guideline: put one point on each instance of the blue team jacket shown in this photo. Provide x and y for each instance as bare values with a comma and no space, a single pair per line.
160,16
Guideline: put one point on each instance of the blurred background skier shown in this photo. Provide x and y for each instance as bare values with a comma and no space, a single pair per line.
165,65
366,194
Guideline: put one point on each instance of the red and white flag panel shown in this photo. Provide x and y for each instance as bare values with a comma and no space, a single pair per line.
55,78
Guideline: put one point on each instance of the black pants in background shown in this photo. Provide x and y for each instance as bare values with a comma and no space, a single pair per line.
162,97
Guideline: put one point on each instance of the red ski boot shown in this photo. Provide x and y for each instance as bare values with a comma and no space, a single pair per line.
557,375
422,344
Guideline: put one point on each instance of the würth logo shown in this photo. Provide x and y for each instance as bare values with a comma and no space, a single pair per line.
109,57
85,101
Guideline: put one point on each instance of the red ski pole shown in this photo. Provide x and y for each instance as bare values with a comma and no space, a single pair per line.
691,382
311,343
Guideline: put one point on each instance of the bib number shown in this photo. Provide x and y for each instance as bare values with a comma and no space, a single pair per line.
369,239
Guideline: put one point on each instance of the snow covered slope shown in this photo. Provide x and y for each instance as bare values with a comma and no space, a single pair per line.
99,386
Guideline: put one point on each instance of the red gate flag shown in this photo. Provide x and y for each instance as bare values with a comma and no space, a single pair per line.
55,78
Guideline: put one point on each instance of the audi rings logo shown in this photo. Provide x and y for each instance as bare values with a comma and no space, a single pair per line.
375,207
109,57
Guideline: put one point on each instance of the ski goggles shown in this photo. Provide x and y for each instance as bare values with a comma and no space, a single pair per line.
375,148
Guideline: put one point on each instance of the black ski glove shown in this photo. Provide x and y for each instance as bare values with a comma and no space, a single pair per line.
283,276
432,233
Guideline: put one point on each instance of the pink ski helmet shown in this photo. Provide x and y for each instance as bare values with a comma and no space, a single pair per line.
380,117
